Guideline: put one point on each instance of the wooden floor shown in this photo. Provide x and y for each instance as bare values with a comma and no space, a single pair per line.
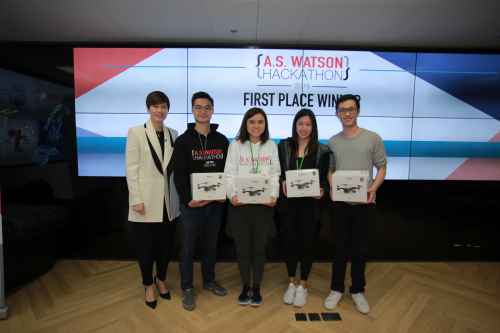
107,296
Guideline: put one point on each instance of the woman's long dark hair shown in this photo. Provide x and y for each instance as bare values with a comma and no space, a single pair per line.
243,135
313,139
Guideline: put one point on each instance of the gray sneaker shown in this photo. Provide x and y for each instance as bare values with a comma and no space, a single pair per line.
188,301
215,287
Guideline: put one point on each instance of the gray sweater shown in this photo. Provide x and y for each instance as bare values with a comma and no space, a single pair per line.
362,152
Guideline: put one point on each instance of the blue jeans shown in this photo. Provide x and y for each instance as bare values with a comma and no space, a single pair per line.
209,218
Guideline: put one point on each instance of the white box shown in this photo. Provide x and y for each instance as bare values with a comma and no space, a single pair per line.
302,183
350,185
254,190
208,186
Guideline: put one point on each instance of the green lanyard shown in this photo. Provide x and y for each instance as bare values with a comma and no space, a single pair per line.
258,157
297,161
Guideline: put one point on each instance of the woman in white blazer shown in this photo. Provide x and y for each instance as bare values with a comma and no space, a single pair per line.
153,199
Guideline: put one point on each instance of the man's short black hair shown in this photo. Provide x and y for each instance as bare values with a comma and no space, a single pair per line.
201,94
344,98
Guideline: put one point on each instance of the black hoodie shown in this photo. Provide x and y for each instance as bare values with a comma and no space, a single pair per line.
189,158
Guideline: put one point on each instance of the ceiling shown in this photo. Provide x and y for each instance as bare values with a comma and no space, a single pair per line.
332,23
37,36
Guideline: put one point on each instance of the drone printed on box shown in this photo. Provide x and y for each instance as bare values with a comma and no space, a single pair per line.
349,188
252,191
207,186
301,184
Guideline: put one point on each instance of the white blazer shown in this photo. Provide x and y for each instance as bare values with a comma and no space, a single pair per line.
145,183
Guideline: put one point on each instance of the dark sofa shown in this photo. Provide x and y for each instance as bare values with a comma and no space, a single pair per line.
29,234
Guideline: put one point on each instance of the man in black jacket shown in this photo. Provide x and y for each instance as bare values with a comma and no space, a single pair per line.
200,149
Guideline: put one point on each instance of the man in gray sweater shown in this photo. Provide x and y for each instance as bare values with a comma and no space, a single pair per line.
354,148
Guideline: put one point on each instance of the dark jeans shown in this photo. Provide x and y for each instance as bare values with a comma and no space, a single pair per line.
250,225
351,228
208,218
299,224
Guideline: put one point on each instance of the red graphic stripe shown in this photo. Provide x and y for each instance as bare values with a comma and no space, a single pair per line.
496,138
477,169
89,62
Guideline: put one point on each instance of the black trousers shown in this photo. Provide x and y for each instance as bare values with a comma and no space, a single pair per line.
351,228
250,225
153,242
299,224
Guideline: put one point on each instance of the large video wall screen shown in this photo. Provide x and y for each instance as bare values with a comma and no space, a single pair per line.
438,114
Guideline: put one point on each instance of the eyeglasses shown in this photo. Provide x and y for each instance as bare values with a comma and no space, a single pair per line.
207,108
350,110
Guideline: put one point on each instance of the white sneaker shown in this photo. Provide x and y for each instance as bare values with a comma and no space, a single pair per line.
300,297
361,303
333,299
290,293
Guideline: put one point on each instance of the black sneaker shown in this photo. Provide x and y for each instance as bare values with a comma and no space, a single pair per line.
246,293
256,299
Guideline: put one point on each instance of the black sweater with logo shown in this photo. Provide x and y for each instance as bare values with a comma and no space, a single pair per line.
189,157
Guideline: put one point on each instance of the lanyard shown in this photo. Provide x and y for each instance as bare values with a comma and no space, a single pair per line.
203,149
297,161
258,156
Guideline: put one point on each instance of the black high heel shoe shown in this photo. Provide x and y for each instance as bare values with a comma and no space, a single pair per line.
152,304
164,296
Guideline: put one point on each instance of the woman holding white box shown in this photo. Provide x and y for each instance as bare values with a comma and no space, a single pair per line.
300,215
251,153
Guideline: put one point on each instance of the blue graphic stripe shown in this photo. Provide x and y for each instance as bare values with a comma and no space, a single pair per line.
439,72
393,148
116,145
397,148
455,149
171,67
102,145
